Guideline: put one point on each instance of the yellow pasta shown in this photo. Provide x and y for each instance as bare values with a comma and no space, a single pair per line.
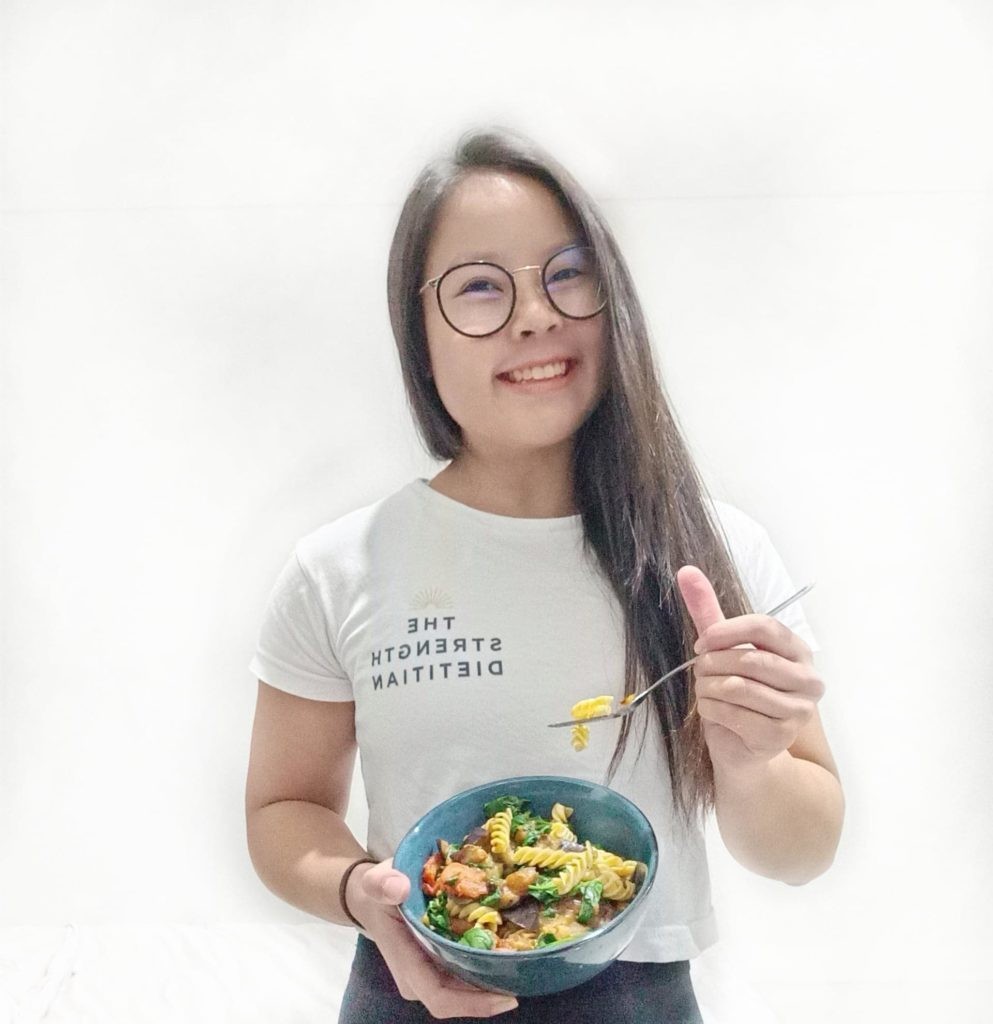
570,877
486,917
574,871
543,857
560,812
559,829
615,887
580,737
499,829
523,859
591,708
483,917
623,868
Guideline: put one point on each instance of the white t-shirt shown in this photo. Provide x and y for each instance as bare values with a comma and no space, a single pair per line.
459,634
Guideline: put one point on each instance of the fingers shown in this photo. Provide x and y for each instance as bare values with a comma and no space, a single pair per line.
699,597
759,734
764,699
456,999
383,883
417,977
759,630
756,697
760,667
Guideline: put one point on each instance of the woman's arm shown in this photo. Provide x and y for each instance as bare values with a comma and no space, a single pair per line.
299,776
779,802
783,819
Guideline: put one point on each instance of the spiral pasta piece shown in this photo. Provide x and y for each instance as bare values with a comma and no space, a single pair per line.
615,887
573,873
560,812
570,877
542,857
592,707
619,866
560,831
486,917
476,913
499,829
580,737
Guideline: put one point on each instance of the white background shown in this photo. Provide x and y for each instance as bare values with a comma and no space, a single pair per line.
197,369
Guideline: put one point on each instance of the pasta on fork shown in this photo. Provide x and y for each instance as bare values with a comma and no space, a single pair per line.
593,707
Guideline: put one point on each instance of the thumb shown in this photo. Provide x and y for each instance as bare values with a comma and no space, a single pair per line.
699,597
383,883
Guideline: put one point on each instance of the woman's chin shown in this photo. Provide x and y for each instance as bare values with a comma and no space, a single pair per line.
525,443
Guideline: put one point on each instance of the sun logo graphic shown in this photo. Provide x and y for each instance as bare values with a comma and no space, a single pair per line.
433,597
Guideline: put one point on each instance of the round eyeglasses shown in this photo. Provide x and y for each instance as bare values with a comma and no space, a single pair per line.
478,298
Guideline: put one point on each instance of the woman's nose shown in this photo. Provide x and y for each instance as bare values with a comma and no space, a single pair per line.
533,313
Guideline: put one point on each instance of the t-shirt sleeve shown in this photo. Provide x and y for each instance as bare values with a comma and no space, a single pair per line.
294,651
763,572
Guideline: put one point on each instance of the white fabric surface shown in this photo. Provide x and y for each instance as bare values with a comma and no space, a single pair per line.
228,974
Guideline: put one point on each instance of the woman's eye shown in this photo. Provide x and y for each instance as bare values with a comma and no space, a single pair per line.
478,285
566,274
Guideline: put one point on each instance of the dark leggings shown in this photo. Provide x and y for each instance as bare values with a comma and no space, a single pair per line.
624,993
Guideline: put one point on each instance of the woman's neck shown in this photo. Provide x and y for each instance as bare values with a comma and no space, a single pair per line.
528,486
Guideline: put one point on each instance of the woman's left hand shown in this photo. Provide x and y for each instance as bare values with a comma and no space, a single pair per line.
756,685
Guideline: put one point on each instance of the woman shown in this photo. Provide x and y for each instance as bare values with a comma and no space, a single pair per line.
566,549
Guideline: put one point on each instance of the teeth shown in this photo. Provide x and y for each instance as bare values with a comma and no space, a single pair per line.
538,372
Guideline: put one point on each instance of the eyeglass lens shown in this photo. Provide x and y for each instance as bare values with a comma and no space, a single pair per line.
478,299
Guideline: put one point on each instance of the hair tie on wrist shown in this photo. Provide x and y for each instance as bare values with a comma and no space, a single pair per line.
344,882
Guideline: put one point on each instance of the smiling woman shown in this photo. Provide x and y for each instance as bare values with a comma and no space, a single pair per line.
577,552
531,382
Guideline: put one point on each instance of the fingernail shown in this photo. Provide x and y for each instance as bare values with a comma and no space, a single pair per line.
506,1005
698,646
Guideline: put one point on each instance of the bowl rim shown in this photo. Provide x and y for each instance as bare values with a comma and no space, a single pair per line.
415,922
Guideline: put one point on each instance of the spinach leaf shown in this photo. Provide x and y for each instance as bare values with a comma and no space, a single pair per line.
591,892
545,891
534,829
437,913
478,938
501,803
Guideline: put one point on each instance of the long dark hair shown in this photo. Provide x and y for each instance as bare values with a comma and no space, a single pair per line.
643,505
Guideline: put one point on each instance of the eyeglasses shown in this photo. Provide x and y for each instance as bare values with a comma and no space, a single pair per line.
478,298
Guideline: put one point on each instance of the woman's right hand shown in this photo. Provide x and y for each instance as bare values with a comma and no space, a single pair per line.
374,892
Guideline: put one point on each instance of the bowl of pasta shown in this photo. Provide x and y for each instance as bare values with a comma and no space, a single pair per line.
529,885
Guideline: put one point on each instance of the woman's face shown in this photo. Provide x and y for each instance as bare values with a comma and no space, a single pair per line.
513,221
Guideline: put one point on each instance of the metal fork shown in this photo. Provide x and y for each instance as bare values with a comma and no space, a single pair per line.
626,709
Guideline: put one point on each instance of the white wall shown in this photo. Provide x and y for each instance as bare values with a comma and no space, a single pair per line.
197,369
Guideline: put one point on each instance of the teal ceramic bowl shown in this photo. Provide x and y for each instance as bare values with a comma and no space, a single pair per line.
600,815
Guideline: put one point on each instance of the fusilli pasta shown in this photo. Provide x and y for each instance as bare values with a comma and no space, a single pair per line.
520,859
499,829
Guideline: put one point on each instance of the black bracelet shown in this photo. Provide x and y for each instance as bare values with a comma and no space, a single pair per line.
344,882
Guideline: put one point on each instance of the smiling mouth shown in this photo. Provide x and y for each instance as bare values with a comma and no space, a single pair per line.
549,371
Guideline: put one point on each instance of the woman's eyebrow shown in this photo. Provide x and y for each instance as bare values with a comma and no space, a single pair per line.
489,256
473,257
